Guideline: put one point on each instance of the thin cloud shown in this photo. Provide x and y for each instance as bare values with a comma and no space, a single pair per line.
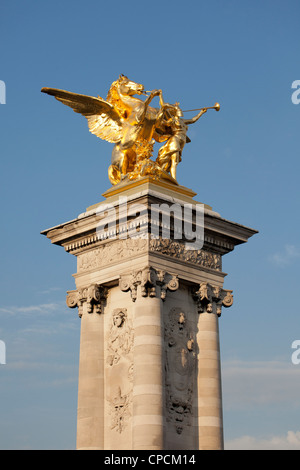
286,257
257,384
50,290
29,309
290,441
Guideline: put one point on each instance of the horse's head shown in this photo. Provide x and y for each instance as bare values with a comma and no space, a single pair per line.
127,87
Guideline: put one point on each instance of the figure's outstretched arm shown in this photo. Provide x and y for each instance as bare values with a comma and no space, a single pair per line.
195,118
147,101
161,100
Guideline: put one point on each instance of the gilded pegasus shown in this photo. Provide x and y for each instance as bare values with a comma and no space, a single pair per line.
121,119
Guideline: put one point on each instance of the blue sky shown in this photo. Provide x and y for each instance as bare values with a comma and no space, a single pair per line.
243,161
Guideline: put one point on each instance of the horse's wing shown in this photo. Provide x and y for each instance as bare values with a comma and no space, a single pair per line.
103,119
104,127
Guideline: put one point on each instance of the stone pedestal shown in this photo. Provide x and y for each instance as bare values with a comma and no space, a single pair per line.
149,372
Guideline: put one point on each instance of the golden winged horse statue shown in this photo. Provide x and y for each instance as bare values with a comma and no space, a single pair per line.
122,119
133,126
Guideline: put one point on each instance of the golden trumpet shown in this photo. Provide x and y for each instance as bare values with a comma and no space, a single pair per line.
216,107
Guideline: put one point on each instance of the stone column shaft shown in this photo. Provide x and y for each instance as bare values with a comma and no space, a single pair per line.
90,417
209,384
148,416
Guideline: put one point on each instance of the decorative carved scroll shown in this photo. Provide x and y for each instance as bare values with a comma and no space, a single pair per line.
148,278
180,356
211,298
91,295
166,282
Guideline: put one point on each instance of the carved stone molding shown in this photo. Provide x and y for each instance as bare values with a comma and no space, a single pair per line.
210,298
178,250
91,295
148,278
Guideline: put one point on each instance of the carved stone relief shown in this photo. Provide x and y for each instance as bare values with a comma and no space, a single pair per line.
180,363
111,253
210,298
123,249
119,369
120,337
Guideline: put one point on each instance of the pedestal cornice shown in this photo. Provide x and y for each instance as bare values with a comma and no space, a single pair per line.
80,234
